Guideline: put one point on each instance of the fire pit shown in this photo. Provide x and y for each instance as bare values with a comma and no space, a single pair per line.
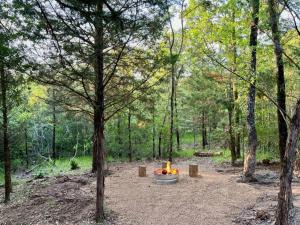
166,175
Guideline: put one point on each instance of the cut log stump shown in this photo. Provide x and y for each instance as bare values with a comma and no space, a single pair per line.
142,171
193,170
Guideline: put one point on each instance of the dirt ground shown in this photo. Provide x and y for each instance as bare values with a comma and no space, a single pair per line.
215,197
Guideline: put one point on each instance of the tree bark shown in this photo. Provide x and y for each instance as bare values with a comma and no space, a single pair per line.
26,146
99,112
153,130
129,137
204,133
119,139
54,155
235,92
286,177
237,133
194,132
94,163
176,119
6,149
231,136
250,160
161,133
159,144
172,111
281,97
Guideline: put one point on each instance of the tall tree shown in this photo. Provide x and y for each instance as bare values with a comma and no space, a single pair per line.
286,176
174,57
250,160
54,121
10,64
281,96
6,149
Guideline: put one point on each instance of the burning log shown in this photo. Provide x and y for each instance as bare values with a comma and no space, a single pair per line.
142,171
166,175
193,170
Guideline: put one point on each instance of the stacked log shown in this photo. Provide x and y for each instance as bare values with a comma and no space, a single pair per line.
208,154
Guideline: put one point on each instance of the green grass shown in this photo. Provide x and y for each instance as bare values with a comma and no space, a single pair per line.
188,138
260,155
62,166
226,157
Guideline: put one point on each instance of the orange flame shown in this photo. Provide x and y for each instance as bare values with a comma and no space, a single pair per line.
168,168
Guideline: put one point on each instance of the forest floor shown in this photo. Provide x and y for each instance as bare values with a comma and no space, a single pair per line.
215,197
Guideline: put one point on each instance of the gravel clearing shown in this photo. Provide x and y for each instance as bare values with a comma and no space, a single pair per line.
212,198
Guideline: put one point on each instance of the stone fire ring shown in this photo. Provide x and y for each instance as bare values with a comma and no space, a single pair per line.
165,178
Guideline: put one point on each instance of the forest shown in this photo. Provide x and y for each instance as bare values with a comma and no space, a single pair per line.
132,112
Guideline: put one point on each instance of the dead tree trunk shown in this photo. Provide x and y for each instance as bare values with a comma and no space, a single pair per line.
129,137
6,149
99,112
250,160
286,177
281,110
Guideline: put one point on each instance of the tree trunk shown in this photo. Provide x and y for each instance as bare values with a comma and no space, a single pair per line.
231,105
94,163
159,145
231,137
153,129
204,133
172,111
26,146
236,132
286,177
119,139
250,161
54,155
282,126
99,112
176,119
6,149
194,131
129,137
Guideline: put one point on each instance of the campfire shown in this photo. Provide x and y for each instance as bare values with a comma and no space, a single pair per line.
166,175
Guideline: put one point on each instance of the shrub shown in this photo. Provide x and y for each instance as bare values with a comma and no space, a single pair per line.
74,165
39,175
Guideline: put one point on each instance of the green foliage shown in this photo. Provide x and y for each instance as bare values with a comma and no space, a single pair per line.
74,165
186,153
63,166
260,156
39,175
